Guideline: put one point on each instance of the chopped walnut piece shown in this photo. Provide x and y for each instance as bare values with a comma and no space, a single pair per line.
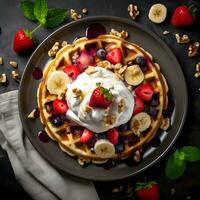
193,49
84,11
75,57
16,76
121,106
197,75
88,109
182,39
123,34
109,119
165,32
77,92
130,88
198,67
133,11
3,78
75,15
165,124
55,48
136,156
105,64
90,70
64,43
13,64
1,61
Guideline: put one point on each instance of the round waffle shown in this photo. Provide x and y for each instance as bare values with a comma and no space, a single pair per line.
68,140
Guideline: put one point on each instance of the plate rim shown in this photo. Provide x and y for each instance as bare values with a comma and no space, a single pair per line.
166,48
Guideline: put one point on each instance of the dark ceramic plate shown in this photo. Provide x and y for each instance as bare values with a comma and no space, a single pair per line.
138,34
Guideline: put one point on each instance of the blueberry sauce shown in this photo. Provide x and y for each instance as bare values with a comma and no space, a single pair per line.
42,135
37,73
94,30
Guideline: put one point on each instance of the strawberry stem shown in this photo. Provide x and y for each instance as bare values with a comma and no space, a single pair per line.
37,27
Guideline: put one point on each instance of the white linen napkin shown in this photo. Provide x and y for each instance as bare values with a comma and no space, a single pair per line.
36,175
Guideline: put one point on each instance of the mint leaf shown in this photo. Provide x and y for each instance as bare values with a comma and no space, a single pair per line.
27,8
40,10
55,17
174,169
192,154
180,156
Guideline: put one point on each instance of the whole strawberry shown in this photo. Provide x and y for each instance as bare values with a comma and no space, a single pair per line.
101,97
183,16
23,41
148,191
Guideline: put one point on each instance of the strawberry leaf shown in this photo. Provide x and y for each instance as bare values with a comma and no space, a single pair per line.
27,8
40,10
28,33
192,154
175,167
55,17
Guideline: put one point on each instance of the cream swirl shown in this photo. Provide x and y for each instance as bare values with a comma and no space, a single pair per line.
99,119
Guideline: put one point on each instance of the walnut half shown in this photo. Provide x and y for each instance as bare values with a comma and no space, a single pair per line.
133,11
182,39
193,49
3,78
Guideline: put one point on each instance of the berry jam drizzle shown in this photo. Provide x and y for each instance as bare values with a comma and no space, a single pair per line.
42,135
37,73
94,30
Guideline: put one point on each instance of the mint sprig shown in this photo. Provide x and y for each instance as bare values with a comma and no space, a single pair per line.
55,17
39,11
28,10
176,164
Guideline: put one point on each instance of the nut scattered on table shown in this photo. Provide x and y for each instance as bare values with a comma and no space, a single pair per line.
3,78
55,48
123,34
133,11
75,15
16,76
13,64
136,156
1,61
182,39
193,49
197,74
84,11
172,191
165,124
165,32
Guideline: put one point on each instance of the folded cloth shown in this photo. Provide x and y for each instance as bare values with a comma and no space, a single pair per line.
36,175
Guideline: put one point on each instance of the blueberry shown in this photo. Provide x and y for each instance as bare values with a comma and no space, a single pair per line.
57,121
119,148
42,135
153,112
101,136
123,127
154,102
92,142
63,117
101,53
140,60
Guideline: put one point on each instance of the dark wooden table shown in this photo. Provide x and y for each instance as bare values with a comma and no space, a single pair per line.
11,19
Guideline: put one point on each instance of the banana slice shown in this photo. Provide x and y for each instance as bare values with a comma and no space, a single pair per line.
133,75
57,82
104,149
157,13
140,122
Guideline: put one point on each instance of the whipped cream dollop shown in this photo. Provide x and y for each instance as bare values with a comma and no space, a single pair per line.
98,119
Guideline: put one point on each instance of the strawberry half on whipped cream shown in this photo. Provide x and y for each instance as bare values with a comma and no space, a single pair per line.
98,101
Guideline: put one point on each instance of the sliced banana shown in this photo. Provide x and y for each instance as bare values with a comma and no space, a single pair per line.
133,75
57,82
104,149
140,122
157,13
